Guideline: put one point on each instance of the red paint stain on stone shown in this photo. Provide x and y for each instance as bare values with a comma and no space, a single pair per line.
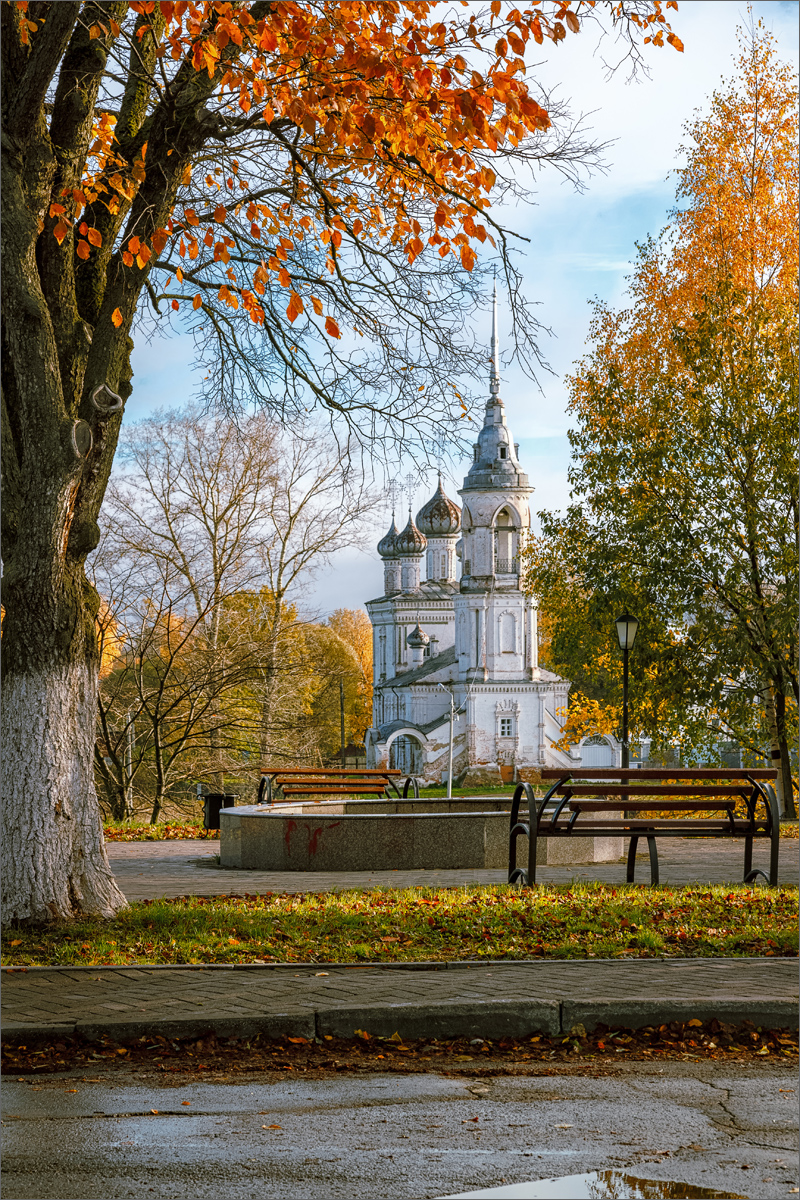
315,835
287,836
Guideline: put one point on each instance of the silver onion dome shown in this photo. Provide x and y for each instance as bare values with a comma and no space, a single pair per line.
440,517
410,543
418,638
387,547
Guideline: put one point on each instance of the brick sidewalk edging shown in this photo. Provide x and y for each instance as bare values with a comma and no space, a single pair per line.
418,1000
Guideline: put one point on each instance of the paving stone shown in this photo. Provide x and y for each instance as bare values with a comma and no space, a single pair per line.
483,1000
188,868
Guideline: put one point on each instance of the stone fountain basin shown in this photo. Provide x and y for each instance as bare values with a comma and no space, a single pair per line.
386,835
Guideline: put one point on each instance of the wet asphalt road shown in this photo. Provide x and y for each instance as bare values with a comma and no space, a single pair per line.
396,1136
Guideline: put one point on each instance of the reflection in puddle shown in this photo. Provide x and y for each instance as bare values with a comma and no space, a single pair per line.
599,1185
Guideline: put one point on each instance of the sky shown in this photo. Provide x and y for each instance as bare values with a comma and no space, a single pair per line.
581,246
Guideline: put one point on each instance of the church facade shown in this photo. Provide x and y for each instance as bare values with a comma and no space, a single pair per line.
466,639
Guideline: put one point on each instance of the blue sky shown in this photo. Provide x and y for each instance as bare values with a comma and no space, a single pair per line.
580,246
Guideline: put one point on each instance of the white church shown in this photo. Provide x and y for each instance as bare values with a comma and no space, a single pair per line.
469,634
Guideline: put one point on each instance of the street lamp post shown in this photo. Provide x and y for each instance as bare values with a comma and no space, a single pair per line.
450,751
626,632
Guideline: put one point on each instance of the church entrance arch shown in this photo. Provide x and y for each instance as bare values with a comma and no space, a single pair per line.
597,752
405,754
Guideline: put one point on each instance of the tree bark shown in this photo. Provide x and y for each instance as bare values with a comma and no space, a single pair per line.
788,808
54,860
779,752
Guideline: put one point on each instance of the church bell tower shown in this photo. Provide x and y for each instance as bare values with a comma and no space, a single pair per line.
495,622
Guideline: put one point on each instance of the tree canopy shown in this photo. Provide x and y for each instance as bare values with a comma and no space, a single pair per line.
311,183
685,474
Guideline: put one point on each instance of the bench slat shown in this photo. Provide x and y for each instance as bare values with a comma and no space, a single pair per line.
360,789
606,789
330,771
650,805
618,826
661,773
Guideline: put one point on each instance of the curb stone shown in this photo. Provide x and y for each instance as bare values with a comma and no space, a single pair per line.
488,1019
633,1014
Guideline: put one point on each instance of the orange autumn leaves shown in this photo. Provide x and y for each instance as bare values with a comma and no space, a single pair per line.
385,92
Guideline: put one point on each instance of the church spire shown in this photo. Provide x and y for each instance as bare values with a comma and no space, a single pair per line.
494,370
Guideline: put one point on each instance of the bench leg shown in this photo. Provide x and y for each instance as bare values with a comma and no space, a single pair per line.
748,858
532,843
631,870
774,847
653,848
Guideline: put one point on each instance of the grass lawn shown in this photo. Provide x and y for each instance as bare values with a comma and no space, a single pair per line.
428,924
139,831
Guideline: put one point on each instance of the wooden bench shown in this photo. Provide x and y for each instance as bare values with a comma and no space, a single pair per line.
330,782
575,802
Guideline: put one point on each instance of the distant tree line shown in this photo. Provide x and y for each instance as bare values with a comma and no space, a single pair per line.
212,533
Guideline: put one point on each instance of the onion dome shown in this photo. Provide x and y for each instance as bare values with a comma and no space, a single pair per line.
440,517
410,543
418,638
387,545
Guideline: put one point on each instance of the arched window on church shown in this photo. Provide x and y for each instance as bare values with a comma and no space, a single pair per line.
505,544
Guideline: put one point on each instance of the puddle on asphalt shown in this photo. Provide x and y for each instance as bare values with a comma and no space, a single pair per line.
599,1185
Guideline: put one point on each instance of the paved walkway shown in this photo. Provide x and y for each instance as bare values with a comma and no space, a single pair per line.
147,870
487,1000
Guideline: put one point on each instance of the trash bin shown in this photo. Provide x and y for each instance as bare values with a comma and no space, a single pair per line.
212,803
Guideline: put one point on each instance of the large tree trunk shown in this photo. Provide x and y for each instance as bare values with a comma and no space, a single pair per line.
54,862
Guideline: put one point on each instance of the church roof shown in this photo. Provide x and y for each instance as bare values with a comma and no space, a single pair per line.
410,543
447,658
387,545
429,589
496,464
440,517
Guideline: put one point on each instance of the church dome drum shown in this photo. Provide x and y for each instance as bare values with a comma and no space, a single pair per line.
410,543
387,546
440,517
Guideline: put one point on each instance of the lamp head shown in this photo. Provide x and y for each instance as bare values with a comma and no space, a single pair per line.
626,630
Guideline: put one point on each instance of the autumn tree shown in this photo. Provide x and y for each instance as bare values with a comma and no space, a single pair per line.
353,626
212,530
311,182
685,475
